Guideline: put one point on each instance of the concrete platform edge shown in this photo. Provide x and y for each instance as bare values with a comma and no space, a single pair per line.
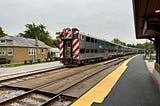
99,92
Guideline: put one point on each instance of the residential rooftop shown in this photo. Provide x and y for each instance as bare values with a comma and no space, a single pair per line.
21,42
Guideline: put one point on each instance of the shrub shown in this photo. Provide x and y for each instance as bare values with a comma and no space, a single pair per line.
3,60
25,61
8,61
56,58
46,59
38,60
30,61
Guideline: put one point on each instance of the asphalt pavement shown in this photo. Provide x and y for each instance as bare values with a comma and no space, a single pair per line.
135,87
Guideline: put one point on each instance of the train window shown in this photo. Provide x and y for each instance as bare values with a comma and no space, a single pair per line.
95,50
95,40
88,39
111,50
82,37
91,50
98,41
102,51
82,51
75,36
69,44
87,50
92,40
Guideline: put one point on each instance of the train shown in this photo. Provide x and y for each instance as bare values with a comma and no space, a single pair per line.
78,48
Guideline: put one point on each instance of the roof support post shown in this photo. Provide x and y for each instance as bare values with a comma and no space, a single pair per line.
157,46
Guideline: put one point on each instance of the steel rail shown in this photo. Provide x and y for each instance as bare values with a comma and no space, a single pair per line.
61,93
30,92
30,74
43,86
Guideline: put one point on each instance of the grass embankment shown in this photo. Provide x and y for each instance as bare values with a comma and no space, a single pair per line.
12,65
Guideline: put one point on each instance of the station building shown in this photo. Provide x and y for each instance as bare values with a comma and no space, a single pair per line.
147,26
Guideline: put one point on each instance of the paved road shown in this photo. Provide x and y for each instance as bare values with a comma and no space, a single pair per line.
134,88
27,68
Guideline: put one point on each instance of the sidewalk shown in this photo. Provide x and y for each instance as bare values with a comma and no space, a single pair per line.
134,88
27,68
150,65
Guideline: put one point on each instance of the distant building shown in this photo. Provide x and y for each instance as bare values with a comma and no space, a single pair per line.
54,52
18,49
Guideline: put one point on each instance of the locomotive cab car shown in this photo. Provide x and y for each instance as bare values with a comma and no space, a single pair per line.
69,46
77,48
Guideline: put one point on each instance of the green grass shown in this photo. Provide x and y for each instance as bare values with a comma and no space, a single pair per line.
20,64
12,65
28,63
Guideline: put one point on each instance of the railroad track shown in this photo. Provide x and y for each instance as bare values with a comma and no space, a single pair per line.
62,92
51,97
9,79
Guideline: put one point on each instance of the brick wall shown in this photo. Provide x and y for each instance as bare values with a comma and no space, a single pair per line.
21,53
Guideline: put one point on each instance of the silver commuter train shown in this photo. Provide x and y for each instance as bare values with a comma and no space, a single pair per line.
77,48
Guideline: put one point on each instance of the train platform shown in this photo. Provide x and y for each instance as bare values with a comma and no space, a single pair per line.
27,68
131,84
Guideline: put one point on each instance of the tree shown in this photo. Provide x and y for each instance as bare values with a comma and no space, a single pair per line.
139,45
131,45
2,34
57,33
56,42
150,47
147,45
117,41
33,30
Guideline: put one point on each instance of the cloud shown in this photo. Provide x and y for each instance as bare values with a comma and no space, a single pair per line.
102,18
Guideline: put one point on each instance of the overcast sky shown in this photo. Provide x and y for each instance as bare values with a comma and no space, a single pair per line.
105,19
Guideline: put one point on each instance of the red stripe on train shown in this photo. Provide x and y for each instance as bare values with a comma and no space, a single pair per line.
77,56
60,41
75,50
61,47
61,54
61,33
74,43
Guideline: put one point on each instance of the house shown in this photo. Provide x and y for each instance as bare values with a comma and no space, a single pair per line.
18,49
54,52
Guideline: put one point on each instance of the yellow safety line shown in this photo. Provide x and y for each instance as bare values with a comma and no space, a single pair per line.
101,90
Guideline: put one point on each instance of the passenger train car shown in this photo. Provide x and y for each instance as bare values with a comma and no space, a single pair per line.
77,48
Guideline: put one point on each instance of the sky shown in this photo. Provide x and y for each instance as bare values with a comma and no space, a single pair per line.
105,19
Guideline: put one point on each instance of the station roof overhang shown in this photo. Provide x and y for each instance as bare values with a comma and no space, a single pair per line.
146,18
